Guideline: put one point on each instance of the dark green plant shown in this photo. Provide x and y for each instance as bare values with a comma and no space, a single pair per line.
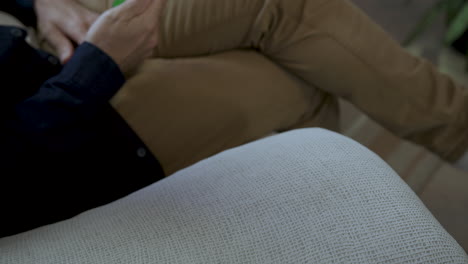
455,13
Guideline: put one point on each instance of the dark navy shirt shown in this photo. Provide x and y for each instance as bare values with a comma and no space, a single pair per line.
63,148
21,9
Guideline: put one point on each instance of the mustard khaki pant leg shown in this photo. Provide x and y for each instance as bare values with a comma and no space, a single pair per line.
336,49
188,109
332,45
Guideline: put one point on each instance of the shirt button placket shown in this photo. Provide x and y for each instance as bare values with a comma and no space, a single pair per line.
53,60
17,33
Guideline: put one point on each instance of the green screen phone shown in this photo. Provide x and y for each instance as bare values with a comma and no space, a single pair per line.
117,2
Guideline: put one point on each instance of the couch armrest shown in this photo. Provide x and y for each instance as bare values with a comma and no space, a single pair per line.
306,196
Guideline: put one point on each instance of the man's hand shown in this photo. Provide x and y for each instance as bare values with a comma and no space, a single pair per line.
128,33
63,23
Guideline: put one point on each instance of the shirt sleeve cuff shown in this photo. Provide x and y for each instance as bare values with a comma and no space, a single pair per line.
91,74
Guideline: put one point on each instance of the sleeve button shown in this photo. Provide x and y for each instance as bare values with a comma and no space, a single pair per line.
141,152
53,60
16,32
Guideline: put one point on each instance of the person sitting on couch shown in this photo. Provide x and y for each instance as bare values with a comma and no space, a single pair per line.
331,45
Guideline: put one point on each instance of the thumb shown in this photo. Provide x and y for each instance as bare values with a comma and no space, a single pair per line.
62,44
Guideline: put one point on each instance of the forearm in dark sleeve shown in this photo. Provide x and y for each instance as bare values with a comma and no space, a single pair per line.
61,113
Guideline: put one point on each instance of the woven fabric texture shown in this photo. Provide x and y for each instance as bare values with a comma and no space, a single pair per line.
306,196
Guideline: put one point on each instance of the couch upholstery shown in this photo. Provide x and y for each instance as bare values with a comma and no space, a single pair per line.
306,196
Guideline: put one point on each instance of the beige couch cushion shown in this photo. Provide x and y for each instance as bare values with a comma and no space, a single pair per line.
307,196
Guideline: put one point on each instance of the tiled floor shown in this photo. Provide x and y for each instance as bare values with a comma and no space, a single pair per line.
441,187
